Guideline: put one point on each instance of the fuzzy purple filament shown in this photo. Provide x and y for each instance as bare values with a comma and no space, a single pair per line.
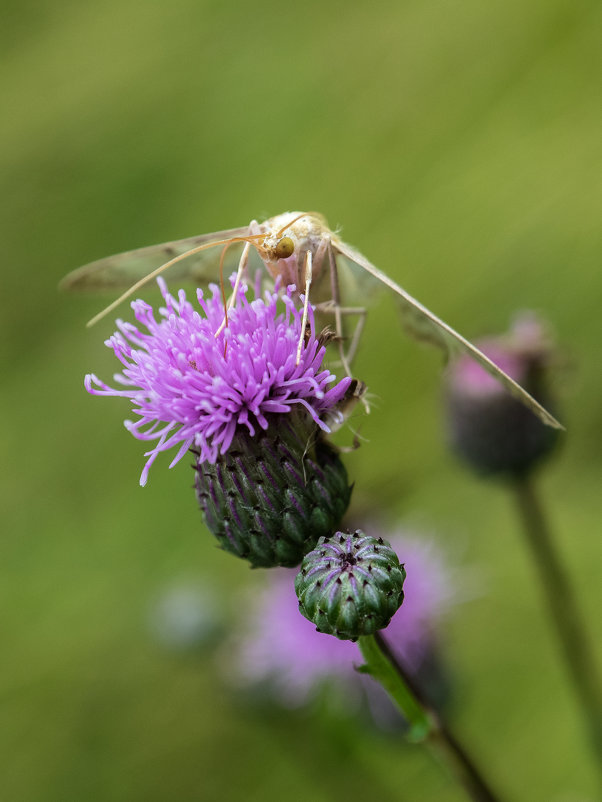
193,387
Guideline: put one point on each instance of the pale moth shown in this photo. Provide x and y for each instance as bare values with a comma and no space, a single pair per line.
299,248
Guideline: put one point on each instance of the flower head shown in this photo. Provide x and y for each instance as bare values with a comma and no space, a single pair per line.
196,384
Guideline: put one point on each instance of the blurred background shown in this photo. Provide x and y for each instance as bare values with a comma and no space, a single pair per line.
459,146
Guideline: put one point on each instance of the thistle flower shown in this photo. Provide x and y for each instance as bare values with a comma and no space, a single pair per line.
194,387
280,649
487,427
249,409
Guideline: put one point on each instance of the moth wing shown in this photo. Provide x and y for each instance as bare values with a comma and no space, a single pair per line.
424,325
124,269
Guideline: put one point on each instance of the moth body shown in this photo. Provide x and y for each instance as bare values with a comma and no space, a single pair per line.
300,233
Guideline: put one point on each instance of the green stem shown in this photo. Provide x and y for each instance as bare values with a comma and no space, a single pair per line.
563,610
425,724
379,666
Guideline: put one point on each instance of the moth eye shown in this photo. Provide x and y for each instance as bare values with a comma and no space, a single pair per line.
284,248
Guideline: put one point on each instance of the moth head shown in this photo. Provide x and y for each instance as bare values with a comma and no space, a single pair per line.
284,248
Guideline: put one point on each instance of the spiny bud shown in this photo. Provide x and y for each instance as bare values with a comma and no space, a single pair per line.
270,497
350,585
487,427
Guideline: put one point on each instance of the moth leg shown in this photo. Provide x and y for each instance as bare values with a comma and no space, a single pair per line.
321,250
316,260
339,311
308,278
330,308
361,312
242,267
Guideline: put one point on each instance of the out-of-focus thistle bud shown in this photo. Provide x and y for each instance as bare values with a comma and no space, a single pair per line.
269,498
487,427
350,585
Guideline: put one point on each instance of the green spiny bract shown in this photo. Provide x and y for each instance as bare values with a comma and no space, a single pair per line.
350,585
270,497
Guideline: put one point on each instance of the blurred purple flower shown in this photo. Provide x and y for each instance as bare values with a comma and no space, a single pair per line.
282,648
191,387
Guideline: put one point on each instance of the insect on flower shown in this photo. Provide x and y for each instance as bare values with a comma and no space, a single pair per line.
299,248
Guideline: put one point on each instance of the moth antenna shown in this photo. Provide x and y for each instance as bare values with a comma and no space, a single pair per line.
154,273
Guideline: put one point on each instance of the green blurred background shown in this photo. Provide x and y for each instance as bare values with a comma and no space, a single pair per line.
459,145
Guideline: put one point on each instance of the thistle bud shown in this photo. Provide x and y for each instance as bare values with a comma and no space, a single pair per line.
487,427
350,585
270,497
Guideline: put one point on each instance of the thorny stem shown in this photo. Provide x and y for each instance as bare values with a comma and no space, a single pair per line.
425,724
563,610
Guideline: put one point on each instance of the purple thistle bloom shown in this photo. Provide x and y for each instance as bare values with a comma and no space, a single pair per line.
193,388
282,647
